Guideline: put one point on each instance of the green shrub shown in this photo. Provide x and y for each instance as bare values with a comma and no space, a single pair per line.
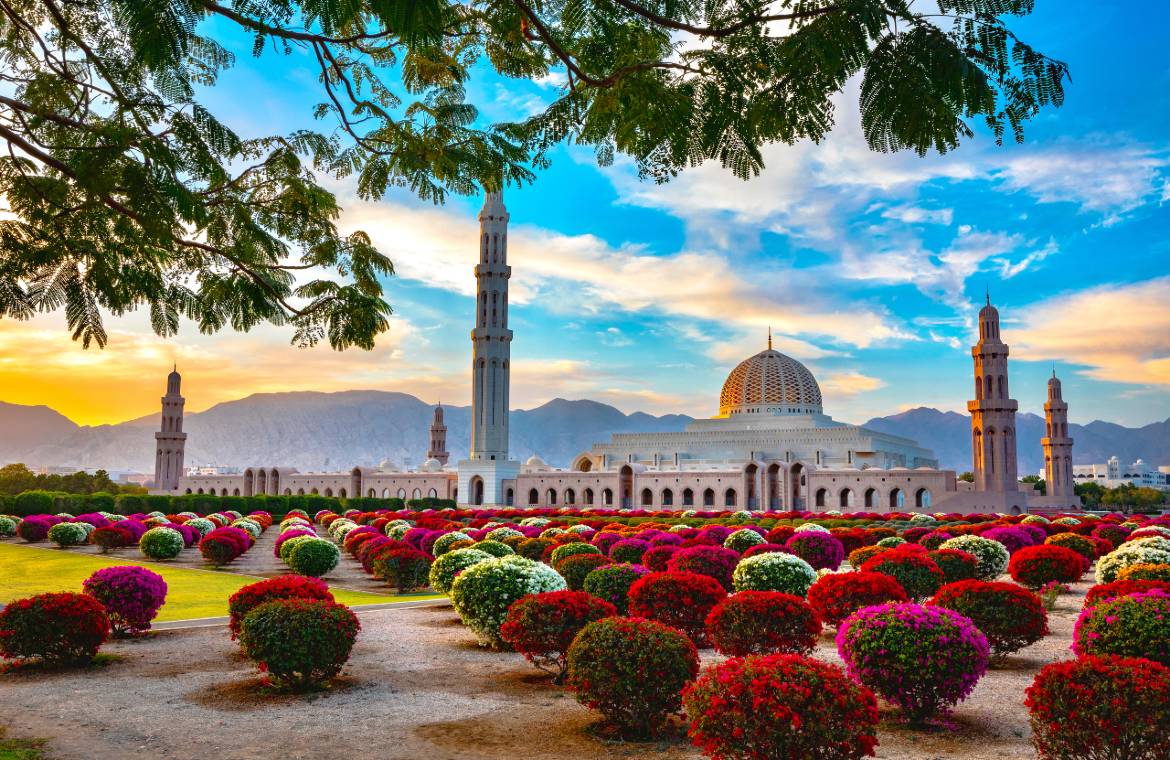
161,543
774,572
131,504
567,550
287,547
495,548
482,593
742,540
99,502
314,557
299,643
33,503
443,543
448,565
68,534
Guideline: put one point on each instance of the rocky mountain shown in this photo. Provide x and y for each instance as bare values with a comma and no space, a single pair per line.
323,431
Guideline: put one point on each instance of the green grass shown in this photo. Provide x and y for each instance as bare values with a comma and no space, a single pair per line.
191,593
21,749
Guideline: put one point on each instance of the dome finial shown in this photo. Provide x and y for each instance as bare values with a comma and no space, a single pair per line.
769,337
988,289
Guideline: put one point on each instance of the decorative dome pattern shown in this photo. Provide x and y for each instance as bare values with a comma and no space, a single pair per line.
770,383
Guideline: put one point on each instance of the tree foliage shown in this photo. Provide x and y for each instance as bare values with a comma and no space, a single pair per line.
17,478
126,192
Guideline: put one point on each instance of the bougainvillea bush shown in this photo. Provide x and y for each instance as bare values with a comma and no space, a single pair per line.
1009,616
60,629
836,596
1036,566
447,567
222,545
821,550
763,622
992,557
33,529
612,583
956,565
774,572
253,595
1134,625
1104,591
542,626
632,670
1100,707
914,571
678,599
482,593
767,707
402,566
922,659
716,562
299,643
1082,545
132,596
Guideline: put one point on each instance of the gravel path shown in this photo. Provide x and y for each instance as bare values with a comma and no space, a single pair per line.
417,687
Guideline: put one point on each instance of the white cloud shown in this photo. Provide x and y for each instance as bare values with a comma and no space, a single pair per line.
909,214
1106,179
848,383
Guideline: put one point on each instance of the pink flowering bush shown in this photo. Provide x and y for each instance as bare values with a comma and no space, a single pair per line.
132,596
1134,625
821,550
922,659
713,561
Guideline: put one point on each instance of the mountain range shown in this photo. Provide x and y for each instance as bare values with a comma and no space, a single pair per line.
324,431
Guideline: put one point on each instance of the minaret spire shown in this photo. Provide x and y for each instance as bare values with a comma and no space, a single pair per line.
769,337
491,339
170,440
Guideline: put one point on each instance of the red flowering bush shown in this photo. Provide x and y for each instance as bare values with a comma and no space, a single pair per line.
575,567
780,706
956,564
851,538
678,599
61,629
836,596
542,626
111,537
253,595
763,622
657,557
34,529
1035,566
1103,591
132,596
631,670
779,534
1010,617
299,643
1108,707
222,545
934,539
629,550
405,567
915,572
764,549
1134,625
713,561
821,550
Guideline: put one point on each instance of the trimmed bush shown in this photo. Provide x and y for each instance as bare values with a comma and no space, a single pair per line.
1145,573
820,550
1104,591
253,595
60,629
742,540
859,557
1134,625
132,596
314,558
494,548
1082,545
678,599
836,596
1107,707
542,626
161,543
612,583
1010,617
482,593
922,659
447,567
403,567
956,564
631,670
299,643
34,529
285,545
658,557
780,706
1036,566
774,572
713,561
7,526
763,622
567,550
442,544
915,572
576,567
629,550
1122,557
992,557
68,534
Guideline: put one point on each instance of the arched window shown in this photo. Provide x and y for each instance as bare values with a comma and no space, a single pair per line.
1002,386
416,494
988,387
587,496
300,492
709,497
533,496
329,492
607,496
402,493
846,498
313,491
188,491
432,493
667,498
551,497
688,497
897,498
819,499
922,498
729,497
647,497
570,497
978,387
372,493
871,498
341,494
385,493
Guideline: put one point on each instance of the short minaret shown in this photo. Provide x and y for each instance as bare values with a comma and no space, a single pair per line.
491,339
993,412
170,441
438,447
1057,446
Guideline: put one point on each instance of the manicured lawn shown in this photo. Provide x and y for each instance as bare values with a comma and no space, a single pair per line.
28,570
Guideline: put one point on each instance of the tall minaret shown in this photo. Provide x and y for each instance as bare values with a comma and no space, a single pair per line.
170,441
491,339
1057,446
438,448
993,412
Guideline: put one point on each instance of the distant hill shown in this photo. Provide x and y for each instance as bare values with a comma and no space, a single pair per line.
321,431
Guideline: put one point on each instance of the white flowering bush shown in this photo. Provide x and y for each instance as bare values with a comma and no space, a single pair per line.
1131,553
689,513
501,534
201,524
161,543
482,593
580,529
811,528
774,572
339,529
743,539
741,515
158,516
1066,521
535,522
447,567
1035,520
992,556
7,526
443,542
287,546
397,529
68,534
552,532
252,527
922,519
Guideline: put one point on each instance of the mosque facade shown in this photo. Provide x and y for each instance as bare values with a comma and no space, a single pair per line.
770,447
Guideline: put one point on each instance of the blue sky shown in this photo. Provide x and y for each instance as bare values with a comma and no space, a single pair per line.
869,268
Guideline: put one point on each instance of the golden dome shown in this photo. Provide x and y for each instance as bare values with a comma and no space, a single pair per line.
770,383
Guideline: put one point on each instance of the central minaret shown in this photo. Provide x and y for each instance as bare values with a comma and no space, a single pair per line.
438,447
993,412
170,441
1057,446
491,340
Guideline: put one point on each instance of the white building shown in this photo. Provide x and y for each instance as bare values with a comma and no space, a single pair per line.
1113,474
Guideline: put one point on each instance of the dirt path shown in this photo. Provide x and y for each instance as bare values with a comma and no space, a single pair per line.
416,687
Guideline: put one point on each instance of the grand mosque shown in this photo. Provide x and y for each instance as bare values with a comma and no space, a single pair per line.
771,446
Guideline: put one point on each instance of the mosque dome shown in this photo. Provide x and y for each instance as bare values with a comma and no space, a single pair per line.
388,466
535,461
432,465
770,383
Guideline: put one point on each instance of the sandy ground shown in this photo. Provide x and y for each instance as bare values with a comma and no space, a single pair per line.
417,686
